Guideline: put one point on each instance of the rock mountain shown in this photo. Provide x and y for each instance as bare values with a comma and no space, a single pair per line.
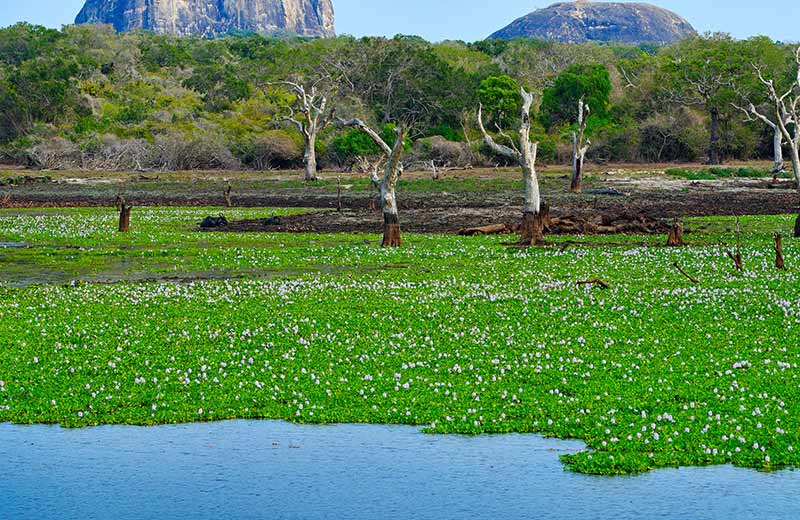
582,21
213,17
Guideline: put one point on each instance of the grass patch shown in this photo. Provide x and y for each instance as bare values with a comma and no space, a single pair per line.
710,174
721,173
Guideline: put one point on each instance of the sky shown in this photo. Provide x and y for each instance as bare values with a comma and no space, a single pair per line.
472,20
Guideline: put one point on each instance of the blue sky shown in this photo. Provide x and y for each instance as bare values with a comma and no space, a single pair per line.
473,19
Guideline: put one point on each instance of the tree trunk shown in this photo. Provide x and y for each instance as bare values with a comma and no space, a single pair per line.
532,230
795,153
391,220
310,159
714,157
576,186
777,146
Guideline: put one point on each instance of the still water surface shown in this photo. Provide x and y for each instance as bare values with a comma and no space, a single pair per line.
274,470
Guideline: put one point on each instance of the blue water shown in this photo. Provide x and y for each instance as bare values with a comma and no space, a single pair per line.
274,470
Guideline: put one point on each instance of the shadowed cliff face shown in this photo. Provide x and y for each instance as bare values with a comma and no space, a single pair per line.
579,22
213,17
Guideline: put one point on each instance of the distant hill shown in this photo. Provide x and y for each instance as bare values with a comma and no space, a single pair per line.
213,17
580,22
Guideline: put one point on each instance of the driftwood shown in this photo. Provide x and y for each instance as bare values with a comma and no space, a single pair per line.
675,238
780,263
5,201
738,262
595,281
684,273
124,214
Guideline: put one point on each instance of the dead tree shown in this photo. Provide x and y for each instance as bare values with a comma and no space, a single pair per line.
124,214
227,195
392,171
737,256
534,213
675,238
780,263
752,113
371,168
786,109
579,147
316,116
434,171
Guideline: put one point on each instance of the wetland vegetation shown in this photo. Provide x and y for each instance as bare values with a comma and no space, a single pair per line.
452,334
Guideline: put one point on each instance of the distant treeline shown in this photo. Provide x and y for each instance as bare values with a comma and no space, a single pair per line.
87,97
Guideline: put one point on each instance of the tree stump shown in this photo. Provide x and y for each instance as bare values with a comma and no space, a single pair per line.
675,238
124,215
780,263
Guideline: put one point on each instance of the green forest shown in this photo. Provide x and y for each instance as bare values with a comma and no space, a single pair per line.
85,97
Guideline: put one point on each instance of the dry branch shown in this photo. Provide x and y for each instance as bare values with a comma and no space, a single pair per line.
595,281
737,256
684,273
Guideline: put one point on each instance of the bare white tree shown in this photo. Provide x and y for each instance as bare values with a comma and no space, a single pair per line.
786,110
392,170
533,218
316,113
752,113
580,145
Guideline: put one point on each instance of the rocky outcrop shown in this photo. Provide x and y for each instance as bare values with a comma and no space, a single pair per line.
581,22
213,17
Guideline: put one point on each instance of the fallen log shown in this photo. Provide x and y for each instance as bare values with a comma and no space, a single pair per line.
493,229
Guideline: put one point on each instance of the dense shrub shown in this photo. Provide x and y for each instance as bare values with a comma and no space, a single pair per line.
55,153
201,151
442,151
271,150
